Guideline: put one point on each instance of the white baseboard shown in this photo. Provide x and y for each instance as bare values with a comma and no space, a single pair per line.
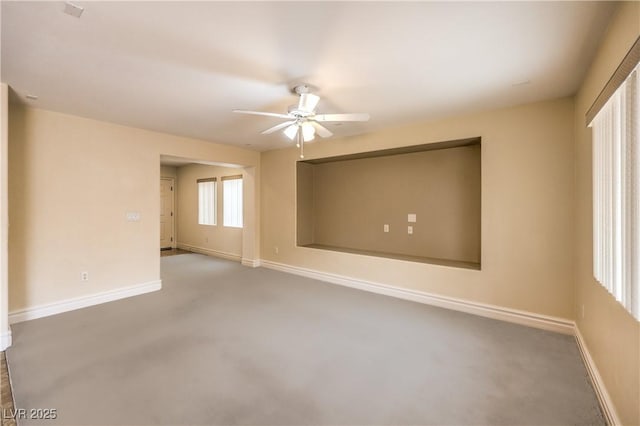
82,302
530,319
253,263
210,252
491,311
606,403
5,339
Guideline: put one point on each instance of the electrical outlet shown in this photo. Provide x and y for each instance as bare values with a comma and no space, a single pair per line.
276,250
84,276
410,230
386,227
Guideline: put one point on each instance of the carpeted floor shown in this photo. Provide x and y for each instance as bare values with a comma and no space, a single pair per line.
227,344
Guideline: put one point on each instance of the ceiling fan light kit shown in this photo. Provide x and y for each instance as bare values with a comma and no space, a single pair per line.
291,131
302,120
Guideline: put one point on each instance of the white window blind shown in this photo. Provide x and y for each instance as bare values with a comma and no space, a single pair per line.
207,201
232,201
616,194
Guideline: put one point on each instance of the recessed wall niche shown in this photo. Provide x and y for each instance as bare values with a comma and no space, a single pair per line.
361,203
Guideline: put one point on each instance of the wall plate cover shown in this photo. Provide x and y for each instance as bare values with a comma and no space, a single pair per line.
411,218
133,216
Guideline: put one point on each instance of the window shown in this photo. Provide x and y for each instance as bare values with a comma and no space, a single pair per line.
232,203
207,201
616,194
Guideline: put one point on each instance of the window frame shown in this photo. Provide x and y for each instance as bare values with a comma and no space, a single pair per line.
238,201
213,211
616,193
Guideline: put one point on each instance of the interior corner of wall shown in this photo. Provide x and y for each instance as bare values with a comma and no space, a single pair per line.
5,339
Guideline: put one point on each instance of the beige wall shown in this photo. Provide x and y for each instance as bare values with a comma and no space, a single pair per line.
72,180
168,172
527,191
353,199
306,213
611,334
5,332
219,239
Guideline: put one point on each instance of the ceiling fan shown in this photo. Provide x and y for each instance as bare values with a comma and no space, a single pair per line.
302,120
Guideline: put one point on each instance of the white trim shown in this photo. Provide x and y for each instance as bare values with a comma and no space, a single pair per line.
560,325
82,301
606,403
210,252
253,263
5,339
531,319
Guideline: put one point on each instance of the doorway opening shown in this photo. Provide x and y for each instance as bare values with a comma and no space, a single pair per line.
202,208
167,217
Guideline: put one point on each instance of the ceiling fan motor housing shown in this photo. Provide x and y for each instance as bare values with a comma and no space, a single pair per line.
298,113
299,89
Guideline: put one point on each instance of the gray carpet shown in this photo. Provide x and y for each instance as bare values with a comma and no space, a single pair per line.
227,344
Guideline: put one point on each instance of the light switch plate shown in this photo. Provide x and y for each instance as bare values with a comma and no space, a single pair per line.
410,230
386,227
411,218
133,216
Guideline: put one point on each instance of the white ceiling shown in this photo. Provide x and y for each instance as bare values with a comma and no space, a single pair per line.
181,67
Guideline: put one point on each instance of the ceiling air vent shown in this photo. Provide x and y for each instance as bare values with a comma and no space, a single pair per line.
73,9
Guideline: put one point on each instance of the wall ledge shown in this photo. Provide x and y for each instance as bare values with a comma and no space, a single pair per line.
210,252
609,410
82,302
5,339
530,319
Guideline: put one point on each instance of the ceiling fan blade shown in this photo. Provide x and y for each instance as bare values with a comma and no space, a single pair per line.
342,117
268,114
321,130
308,102
278,127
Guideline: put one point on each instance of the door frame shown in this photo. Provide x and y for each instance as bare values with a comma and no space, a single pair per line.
174,243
